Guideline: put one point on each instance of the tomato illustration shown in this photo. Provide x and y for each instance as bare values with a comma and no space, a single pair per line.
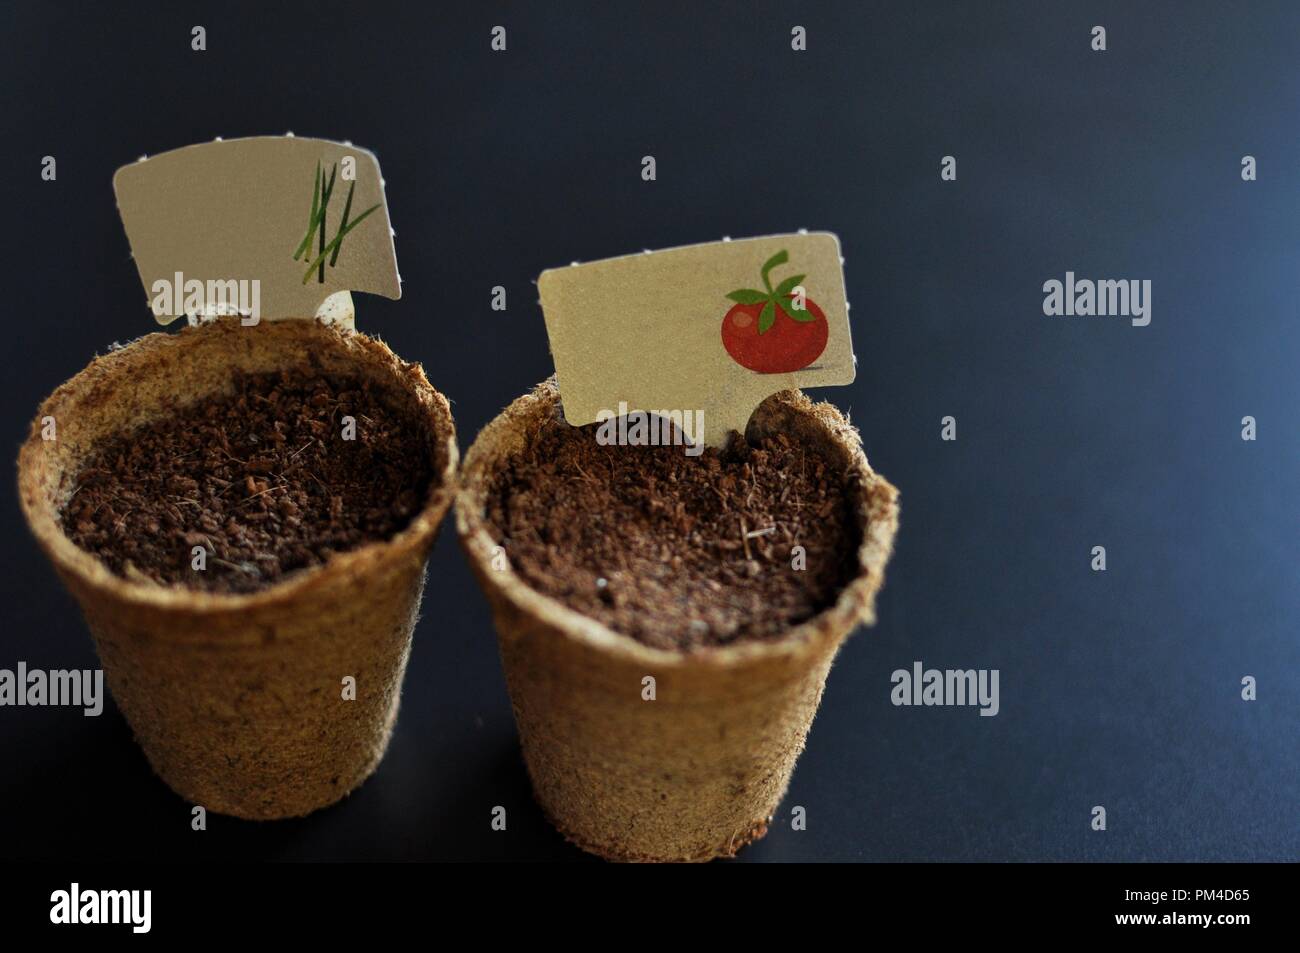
766,333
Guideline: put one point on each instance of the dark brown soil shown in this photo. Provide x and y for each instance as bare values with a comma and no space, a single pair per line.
263,480
678,552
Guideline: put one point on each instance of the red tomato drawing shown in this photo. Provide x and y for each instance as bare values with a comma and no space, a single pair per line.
764,332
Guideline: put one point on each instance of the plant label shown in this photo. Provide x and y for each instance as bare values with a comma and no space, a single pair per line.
267,227
708,329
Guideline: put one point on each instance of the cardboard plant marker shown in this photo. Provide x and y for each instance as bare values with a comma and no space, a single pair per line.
711,329
279,700
698,770
278,226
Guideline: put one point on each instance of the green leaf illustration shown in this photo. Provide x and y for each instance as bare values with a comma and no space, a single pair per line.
780,258
329,190
343,223
802,315
787,286
314,219
322,191
774,298
338,241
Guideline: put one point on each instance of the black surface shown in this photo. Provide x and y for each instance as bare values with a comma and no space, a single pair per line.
1118,688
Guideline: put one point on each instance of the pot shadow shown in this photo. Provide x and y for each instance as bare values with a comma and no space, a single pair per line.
82,789
493,776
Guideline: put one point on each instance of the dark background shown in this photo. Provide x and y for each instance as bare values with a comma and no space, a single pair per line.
1119,688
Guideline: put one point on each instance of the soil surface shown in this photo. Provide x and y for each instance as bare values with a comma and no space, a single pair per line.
678,552
263,480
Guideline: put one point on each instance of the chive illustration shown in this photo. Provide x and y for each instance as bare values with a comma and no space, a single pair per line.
324,207
321,193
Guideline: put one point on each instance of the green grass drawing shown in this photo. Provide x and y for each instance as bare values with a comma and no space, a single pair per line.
321,191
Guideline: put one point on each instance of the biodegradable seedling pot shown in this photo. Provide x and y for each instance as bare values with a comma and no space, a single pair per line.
237,700
698,772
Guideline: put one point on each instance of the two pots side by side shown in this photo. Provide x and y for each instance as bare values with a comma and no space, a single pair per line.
236,699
